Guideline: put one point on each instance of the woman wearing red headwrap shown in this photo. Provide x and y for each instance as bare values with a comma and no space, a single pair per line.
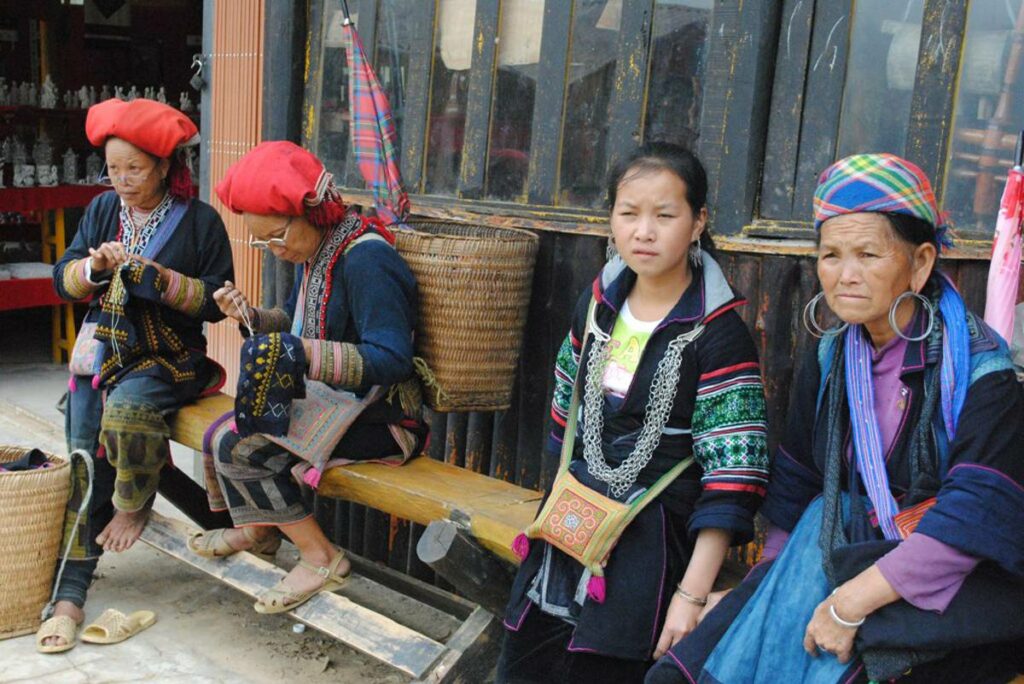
150,257
351,316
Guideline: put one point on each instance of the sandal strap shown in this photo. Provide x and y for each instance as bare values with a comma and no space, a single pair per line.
328,571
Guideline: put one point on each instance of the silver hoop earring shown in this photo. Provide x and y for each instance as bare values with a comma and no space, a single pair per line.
696,254
925,302
810,319
610,250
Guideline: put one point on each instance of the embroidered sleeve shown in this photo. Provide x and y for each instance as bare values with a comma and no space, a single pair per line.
729,429
75,279
336,363
567,364
184,294
730,436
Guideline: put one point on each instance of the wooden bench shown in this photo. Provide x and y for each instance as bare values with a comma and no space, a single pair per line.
423,490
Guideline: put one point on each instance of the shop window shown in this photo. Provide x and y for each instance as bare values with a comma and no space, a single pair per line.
531,101
882,65
988,115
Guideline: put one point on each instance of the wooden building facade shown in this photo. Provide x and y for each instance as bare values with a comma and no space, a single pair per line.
511,112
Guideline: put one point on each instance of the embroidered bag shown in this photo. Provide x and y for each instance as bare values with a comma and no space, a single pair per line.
87,349
581,522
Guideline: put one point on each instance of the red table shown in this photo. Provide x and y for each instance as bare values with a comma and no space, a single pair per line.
48,199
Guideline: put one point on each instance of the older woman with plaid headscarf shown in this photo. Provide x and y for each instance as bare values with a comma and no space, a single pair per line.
894,547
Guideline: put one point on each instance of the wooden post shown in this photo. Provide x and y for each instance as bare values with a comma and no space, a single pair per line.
474,572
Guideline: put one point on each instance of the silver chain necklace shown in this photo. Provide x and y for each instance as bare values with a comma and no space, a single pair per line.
662,397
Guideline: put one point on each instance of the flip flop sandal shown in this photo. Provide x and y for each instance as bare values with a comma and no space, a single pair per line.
113,626
60,626
212,544
281,599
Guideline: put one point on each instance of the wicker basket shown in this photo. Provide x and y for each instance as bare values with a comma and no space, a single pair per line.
474,285
32,504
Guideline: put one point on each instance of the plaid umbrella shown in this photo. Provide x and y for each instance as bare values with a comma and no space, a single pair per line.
373,131
1004,269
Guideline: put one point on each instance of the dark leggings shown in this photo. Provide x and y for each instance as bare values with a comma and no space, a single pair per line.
75,581
538,652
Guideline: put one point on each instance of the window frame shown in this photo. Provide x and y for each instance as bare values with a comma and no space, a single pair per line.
734,113
806,105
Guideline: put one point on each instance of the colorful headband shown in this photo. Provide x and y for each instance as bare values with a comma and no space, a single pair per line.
882,183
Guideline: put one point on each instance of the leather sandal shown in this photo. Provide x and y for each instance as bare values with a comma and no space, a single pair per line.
213,544
280,598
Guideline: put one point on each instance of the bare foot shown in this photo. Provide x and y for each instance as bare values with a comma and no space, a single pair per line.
72,611
123,530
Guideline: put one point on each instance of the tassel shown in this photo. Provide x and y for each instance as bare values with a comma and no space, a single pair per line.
312,477
596,589
96,381
521,546
72,384
101,452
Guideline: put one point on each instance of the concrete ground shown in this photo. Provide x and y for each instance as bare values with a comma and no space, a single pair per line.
205,632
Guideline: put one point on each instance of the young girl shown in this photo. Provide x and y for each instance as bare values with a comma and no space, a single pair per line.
663,369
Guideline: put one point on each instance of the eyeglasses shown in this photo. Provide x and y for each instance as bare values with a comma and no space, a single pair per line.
265,245
134,178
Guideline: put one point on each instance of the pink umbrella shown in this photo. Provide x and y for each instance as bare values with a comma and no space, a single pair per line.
1004,270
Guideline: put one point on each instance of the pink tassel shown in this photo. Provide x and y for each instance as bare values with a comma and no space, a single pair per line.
521,546
312,478
233,426
596,589
72,384
96,381
101,452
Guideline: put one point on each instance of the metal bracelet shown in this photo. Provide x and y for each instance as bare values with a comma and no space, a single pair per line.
690,598
840,621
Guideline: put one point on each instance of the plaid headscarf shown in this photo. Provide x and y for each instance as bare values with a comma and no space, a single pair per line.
882,183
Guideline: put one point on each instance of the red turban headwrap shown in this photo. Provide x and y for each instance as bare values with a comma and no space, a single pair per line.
149,125
274,178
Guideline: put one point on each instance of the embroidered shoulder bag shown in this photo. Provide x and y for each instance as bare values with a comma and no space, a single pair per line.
580,521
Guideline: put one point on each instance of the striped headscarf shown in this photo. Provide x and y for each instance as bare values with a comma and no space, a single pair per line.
882,183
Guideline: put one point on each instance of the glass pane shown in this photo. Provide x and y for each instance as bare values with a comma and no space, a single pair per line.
989,113
448,90
677,71
591,75
395,31
515,86
876,103
332,137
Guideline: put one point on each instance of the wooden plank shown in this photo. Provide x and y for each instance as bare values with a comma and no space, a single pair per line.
472,652
336,616
190,423
417,95
942,34
783,139
479,100
626,108
549,102
826,76
744,37
478,441
424,490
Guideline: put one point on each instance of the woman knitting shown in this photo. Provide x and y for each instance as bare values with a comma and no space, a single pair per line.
150,256
351,318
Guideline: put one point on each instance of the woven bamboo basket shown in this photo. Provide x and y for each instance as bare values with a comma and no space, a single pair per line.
474,284
32,504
